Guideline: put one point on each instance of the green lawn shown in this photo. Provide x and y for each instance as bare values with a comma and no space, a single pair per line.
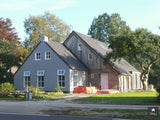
123,98
49,95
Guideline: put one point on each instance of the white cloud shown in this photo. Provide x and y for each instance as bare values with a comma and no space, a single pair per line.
38,5
61,4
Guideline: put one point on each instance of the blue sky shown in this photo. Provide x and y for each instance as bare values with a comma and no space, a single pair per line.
80,13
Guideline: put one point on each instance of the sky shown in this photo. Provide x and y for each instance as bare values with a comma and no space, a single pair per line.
79,14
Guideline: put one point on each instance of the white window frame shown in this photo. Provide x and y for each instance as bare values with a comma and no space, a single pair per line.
47,57
39,58
27,74
89,56
61,72
40,73
79,48
58,80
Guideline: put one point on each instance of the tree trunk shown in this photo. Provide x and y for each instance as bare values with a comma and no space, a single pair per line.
145,85
144,79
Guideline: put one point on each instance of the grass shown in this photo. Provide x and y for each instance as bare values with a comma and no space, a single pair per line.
123,98
49,95
108,113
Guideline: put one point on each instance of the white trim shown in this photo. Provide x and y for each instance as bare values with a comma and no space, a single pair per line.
61,72
27,72
64,81
46,55
40,72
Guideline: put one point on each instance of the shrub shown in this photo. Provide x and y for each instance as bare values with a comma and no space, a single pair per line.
58,89
158,90
6,87
34,89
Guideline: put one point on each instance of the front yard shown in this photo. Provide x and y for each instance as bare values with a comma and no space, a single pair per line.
40,96
136,97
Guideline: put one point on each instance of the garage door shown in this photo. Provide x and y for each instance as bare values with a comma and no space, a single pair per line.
104,81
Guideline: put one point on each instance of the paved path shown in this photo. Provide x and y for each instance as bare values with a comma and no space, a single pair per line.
33,107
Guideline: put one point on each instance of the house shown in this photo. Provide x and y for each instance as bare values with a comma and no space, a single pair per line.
76,62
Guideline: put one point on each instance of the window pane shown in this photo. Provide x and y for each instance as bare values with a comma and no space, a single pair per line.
63,84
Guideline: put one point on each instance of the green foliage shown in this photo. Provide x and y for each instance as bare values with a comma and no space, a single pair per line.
58,89
158,90
6,87
123,98
141,46
106,25
47,24
9,54
34,89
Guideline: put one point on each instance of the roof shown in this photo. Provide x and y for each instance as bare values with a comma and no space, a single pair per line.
66,55
101,49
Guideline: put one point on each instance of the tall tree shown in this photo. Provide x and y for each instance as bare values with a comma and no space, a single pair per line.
141,45
7,32
9,53
47,24
106,25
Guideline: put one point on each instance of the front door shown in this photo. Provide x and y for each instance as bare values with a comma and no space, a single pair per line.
104,81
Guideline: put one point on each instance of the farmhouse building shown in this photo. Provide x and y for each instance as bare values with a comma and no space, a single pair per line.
79,61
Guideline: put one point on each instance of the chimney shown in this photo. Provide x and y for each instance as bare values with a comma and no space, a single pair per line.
44,38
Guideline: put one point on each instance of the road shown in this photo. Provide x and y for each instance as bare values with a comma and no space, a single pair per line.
4,116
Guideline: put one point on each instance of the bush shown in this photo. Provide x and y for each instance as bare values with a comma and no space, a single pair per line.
58,89
6,87
34,89
158,90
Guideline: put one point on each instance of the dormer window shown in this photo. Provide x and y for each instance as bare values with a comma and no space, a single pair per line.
79,46
47,55
90,56
38,56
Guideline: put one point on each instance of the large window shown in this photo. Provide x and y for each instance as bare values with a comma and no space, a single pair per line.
47,55
38,56
27,80
40,77
61,78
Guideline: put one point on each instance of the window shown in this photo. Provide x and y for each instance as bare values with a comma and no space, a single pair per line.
41,81
27,81
90,57
79,47
47,55
37,56
40,77
75,73
60,72
61,78
92,75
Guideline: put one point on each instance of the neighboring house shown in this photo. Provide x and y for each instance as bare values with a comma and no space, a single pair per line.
76,62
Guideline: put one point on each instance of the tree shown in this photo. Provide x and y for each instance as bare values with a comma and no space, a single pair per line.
7,32
106,25
141,45
9,52
47,24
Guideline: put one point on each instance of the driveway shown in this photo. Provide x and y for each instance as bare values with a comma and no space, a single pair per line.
34,107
